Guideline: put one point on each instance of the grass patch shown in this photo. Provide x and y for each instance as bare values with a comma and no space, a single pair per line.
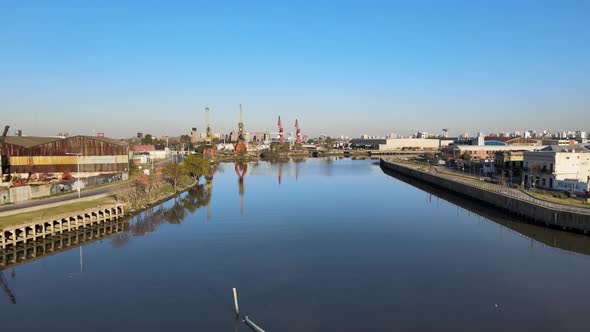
27,217
553,199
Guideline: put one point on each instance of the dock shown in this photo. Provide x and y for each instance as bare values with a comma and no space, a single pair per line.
15,236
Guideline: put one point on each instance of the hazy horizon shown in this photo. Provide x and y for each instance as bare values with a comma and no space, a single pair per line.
346,68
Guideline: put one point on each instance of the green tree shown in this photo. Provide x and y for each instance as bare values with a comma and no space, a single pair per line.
196,166
185,139
147,139
466,156
173,174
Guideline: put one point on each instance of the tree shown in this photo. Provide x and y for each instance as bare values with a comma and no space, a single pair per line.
186,141
195,166
466,156
148,139
173,173
277,147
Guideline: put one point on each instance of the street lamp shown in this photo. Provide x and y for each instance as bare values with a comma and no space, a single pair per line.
78,164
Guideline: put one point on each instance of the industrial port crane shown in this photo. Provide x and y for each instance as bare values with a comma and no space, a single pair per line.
241,146
209,150
281,139
298,131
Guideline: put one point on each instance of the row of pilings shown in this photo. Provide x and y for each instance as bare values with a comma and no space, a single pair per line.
20,235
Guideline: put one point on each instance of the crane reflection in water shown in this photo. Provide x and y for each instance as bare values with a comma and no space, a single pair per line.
241,170
209,185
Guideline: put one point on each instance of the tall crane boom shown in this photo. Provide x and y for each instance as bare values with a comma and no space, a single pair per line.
209,150
208,138
241,125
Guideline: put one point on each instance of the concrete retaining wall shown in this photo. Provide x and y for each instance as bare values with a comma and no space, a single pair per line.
20,194
539,214
40,191
4,195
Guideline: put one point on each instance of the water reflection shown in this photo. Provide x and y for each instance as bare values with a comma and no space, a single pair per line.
6,289
241,170
149,220
280,176
119,231
209,183
572,242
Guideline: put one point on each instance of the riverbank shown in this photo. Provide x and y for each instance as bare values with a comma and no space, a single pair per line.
545,213
133,196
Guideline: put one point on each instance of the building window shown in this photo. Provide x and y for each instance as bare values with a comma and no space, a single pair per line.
543,182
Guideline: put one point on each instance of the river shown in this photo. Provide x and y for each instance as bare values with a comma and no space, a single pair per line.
319,245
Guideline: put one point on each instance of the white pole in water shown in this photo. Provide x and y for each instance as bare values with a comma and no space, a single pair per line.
236,302
253,325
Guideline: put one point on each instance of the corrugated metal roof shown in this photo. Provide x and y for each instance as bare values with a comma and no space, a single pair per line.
107,140
29,141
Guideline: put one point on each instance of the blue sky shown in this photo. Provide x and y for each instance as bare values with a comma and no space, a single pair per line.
341,67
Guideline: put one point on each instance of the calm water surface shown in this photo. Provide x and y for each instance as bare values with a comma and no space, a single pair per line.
322,245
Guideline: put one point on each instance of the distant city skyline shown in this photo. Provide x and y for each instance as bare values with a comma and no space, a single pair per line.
341,68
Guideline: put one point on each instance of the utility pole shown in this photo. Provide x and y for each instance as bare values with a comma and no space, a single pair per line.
78,155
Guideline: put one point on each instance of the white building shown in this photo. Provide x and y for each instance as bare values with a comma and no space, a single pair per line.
422,134
558,167
388,144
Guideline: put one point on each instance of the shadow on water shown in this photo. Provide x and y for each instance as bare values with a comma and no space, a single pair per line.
572,242
152,218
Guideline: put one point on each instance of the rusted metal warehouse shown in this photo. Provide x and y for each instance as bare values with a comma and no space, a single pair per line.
55,156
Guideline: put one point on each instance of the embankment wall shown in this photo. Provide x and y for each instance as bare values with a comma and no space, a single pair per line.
552,217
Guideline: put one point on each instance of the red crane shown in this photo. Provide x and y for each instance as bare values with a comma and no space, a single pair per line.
281,139
298,130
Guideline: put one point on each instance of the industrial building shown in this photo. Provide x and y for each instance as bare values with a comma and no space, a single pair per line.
482,152
400,143
146,153
38,157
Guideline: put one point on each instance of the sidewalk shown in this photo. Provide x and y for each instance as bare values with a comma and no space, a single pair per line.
50,201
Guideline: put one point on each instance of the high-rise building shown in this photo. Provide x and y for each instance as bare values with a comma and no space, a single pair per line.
194,135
